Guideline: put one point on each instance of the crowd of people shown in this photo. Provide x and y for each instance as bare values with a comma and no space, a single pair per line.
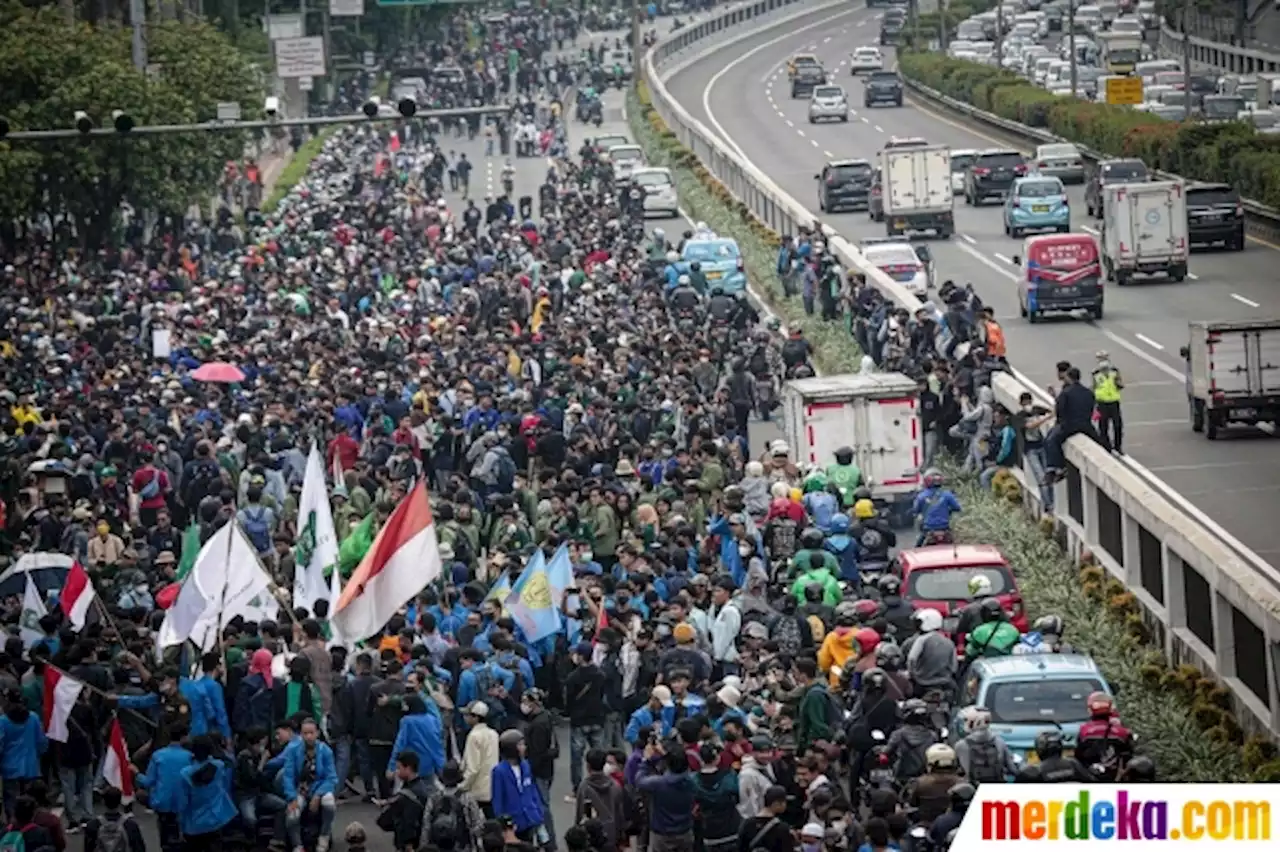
729,677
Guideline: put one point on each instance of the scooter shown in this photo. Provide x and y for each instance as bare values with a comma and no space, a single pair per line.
879,771
873,571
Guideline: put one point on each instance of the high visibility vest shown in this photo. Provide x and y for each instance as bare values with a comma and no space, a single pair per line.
1105,387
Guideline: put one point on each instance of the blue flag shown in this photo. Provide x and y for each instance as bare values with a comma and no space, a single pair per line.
500,590
532,603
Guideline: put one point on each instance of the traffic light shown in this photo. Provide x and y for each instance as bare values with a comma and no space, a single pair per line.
122,120
407,107
83,123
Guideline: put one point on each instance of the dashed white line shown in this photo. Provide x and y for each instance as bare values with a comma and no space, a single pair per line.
826,40
862,23
814,142
801,132
790,123
1002,258
879,129
864,121
1242,300
829,154
1149,342
1193,276
968,239
1090,229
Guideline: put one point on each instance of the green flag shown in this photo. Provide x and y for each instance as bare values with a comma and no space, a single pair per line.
355,546
190,550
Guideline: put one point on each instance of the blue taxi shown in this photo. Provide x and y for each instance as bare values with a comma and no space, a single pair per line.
1028,695
1036,203
720,260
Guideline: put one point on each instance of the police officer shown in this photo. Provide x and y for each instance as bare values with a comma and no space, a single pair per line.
1056,769
1107,386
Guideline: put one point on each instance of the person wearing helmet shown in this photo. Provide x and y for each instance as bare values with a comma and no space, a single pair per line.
995,637
795,350
845,475
1044,637
931,792
934,506
874,535
984,757
811,541
720,306
867,641
1140,770
893,661
684,300
840,649
931,656
658,246
821,572
697,277
908,745
960,796
970,616
1055,767
897,610
673,270
1104,744
841,545
820,501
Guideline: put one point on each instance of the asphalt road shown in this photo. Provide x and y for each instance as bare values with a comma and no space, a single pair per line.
742,94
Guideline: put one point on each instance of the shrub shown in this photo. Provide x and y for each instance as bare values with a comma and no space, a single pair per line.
1232,152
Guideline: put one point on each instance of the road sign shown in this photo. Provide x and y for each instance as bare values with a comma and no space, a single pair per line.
426,2
300,57
1124,91
346,8
285,26
306,84
228,111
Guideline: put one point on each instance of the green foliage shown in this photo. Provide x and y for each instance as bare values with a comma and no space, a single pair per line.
706,199
1231,152
53,69
296,169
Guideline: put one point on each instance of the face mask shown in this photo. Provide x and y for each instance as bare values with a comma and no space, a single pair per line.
810,847
744,548
587,555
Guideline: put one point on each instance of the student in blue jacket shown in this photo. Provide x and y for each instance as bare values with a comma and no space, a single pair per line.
22,741
207,807
650,715
310,781
515,794
420,732
163,782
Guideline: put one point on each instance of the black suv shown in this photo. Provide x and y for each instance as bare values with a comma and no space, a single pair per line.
806,79
882,87
845,184
892,26
991,175
1214,215
1109,172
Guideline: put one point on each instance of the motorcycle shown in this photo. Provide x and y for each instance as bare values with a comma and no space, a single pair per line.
939,537
879,767
870,572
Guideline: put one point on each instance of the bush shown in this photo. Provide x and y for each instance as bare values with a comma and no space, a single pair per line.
296,169
1231,152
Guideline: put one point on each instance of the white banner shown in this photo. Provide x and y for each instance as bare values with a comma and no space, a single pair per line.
285,26
346,8
300,57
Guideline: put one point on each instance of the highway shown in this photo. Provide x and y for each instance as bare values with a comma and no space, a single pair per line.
741,93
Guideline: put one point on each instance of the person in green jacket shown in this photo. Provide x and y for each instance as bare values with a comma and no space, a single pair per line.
845,475
811,542
811,721
995,637
819,574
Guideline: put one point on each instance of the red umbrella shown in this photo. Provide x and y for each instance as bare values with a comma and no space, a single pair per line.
218,371
166,596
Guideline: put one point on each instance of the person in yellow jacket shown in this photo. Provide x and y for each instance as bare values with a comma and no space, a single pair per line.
839,649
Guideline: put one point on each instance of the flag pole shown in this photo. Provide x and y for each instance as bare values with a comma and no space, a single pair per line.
102,610
96,691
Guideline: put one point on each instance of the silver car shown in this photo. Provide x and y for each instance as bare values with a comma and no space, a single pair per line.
660,197
828,102
1061,160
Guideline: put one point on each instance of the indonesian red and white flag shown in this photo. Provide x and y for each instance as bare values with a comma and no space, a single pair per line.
60,694
77,596
115,764
403,559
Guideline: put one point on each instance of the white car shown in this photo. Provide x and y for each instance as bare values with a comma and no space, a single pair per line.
901,263
866,59
961,160
625,160
660,196
1127,26
828,102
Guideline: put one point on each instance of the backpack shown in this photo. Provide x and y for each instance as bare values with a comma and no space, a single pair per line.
759,362
112,836
13,840
984,762
151,490
818,628
257,528
912,763
787,634
205,480
782,538
448,823
505,472
871,540
462,551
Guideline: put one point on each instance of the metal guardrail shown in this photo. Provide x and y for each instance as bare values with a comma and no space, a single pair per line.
1225,57
1260,219
1207,599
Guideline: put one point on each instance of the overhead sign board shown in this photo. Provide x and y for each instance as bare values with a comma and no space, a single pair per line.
228,111
1124,91
426,2
306,84
285,26
300,57
346,8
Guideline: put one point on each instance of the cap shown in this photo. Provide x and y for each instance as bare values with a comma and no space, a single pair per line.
729,695
813,829
762,742
663,694
700,580
478,709
584,649
684,632
755,630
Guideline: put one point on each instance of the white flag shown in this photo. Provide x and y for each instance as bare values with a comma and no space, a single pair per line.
317,546
33,609
227,580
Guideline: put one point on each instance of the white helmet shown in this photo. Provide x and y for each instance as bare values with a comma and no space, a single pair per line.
979,586
975,718
683,280
659,234
672,257
930,620
940,756
701,226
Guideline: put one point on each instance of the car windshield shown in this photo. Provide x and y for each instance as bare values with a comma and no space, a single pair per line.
1039,189
1120,172
1169,78
810,71
866,53
891,256
883,77
1205,196
857,171
1040,701
604,143
652,179
1059,152
1222,106
625,153
960,162
999,161
952,584
703,252
828,92
1201,85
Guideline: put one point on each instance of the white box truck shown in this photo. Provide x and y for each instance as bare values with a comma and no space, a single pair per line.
917,190
1233,373
876,414
1144,230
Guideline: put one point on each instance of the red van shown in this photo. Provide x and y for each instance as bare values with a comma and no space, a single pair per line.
1059,272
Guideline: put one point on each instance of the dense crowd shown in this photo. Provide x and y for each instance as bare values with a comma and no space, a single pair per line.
730,679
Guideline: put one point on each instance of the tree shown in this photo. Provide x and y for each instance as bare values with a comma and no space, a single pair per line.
52,69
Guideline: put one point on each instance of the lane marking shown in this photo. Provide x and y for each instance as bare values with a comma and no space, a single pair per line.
814,142
862,23
879,129
1242,300
968,239
1193,276
1143,354
791,123
1090,229
999,256
827,154
864,121
826,40
801,132
1150,342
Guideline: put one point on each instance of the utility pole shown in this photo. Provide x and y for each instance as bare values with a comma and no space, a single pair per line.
138,22
1186,60
1071,41
1000,34
942,25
